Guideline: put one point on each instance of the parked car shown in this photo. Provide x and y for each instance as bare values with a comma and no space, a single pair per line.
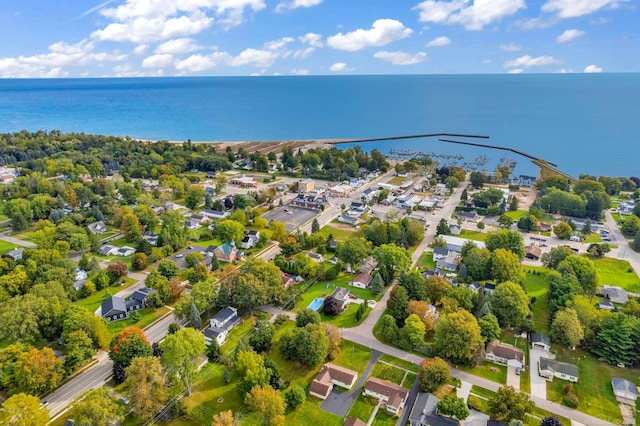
518,370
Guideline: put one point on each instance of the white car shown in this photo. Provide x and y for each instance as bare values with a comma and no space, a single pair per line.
179,255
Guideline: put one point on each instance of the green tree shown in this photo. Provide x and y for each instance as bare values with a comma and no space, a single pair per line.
147,217
506,239
131,227
508,404
180,354
377,284
551,421
295,396
36,371
437,288
454,407
443,227
489,328
146,386
98,408
614,343
391,259
585,271
269,403
308,345
432,374
415,284
195,197
194,317
79,348
562,231
478,263
23,410
78,318
315,226
130,343
458,337
555,256
566,328
168,268
510,304
251,370
193,258
397,303
307,316
230,230
505,266
465,297
139,261
362,309
173,232
413,331
505,221
354,250
20,213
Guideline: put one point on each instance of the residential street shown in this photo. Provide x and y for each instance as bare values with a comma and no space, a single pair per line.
15,241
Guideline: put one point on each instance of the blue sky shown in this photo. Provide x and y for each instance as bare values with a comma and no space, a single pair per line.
73,38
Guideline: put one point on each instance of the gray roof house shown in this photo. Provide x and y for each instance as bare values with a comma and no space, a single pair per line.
107,250
15,254
97,227
540,341
625,391
550,368
341,294
221,324
114,308
423,412
614,294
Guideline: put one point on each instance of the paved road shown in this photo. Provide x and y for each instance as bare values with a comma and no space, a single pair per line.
98,374
623,251
15,241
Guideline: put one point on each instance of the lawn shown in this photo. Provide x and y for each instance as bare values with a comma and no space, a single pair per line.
310,413
617,272
384,419
408,380
399,362
6,247
362,408
238,333
473,235
516,215
592,238
488,370
388,372
536,286
353,356
427,260
94,301
397,180
339,234
149,315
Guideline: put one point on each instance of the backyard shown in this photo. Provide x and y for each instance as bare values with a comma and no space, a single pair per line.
473,235
338,232
94,301
535,284
617,272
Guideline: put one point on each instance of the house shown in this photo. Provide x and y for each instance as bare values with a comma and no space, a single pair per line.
332,375
340,190
221,324
80,274
455,229
471,216
368,265
210,175
191,224
287,279
540,341
475,286
309,201
440,253
15,254
407,201
333,244
369,194
544,226
605,305
125,251
151,237
362,281
550,368
456,243
138,299
357,208
433,272
489,287
250,239
614,294
228,252
575,237
244,182
341,294
626,208
351,220
449,263
532,252
78,284
353,421
306,185
423,412
440,189
108,250
97,227
524,180
114,309
625,391
214,214
427,204
503,353
392,395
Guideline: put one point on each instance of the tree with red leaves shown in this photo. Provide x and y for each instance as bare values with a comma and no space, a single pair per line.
129,344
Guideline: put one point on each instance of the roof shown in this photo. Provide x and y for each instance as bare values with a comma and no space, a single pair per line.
613,292
540,338
534,251
393,392
424,405
363,278
225,313
340,293
143,293
212,332
113,303
106,249
331,372
624,385
441,251
15,254
455,242
558,367
96,226
352,421
320,387
226,248
504,350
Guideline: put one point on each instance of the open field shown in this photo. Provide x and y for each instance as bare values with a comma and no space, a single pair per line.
488,370
473,235
516,215
617,272
339,233
362,408
536,286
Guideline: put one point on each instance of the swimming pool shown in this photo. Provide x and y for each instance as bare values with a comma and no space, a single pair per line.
316,304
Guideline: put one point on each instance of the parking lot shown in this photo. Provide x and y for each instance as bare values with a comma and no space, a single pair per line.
292,217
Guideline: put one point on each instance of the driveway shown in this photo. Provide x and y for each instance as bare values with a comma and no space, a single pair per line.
338,402
512,378
538,384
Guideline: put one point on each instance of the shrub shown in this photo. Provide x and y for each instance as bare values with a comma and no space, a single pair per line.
136,316
571,400
474,403
568,388
280,319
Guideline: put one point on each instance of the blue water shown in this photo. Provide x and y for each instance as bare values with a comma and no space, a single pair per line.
316,304
585,123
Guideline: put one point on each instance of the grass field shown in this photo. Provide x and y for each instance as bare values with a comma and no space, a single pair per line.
396,180
473,235
353,356
536,286
592,238
388,372
6,247
384,419
399,362
516,215
339,234
94,301
362,408
488,370
426,260
617,272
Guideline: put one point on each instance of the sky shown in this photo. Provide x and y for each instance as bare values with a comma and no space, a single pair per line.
121,38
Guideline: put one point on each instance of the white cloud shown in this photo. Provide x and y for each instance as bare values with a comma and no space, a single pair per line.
569,35
303,53
312,39
439,41
515,71
592,69
178,46
140,49
278,44
61,55
472,16
382,32
254,57
197,63
262,58
563,71
511,47
527,61
574,8
297,71
294,4
158,61
401,58
338,66
536,23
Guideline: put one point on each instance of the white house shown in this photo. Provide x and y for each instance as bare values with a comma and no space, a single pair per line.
221,324
440,253
550,368
626,208
97,227
392,395
362,281
503,353
214,214
250,239
456,243
540,341
332,375
625,391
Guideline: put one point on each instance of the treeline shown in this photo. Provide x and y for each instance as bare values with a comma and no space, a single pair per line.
333,164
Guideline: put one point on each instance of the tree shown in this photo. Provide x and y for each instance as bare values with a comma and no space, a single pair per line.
478,263
139,261
214,262
23,410
295,396
413,331
551,421
477,179
508,404
391,259
193,258
20,213
307,316
131,227
354,250
36,371
505,221
432,374
506,239
315,226
614,343
510,304
555,256
458,337
131,343
585,271
98,408
251,370
146,386
79,348
566,328
224,418
513,204
453,406
167,268
194,317
78,318
269,403
415,284
397,303
117,270
229,230
331,306
436,288
195,197
308,345
180,354
362,309
562,230
173,232
443,227
505,266
261,339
